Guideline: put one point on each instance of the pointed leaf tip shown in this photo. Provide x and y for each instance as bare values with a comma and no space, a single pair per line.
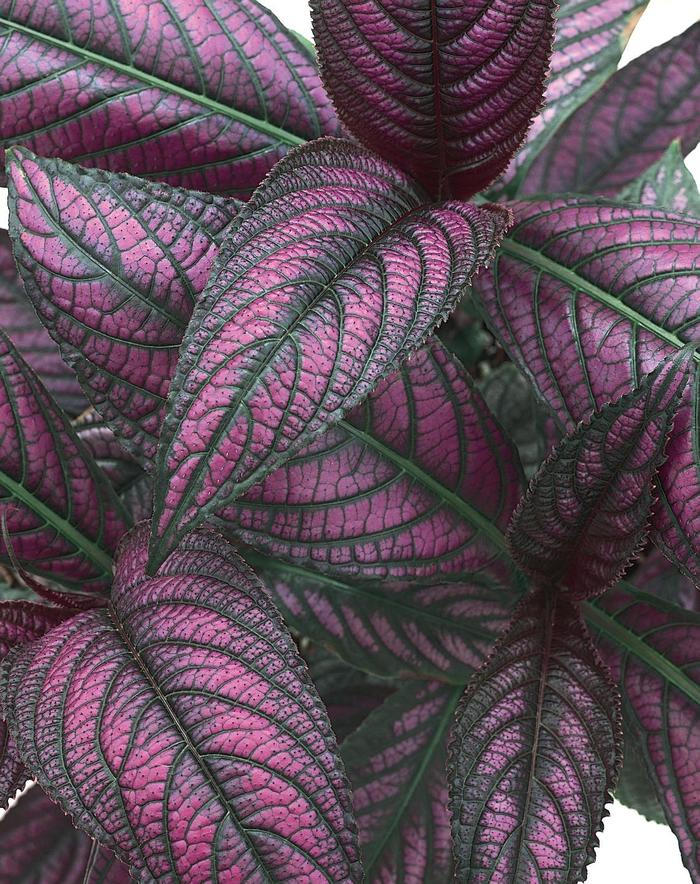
337,272
586,513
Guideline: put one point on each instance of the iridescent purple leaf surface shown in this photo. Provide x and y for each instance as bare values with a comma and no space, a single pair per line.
417,481
588,297
20,622
62,517
590,39
534,752
20,324
668,184
38,845
653,650
113,265
120,467
585,516
627,125
194,743
200,93
396,765
441,630
335,275
447,91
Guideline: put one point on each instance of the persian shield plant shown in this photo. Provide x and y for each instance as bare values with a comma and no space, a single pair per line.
349,471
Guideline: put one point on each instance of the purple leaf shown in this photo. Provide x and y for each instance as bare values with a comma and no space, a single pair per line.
38,845
445,90
63,519
396,765
20,622
587,297
194,744
201,93
20,324
335,275
441,631
534,752
417,481
657,576
590,39
113,265
120,468
653,649
585,516
627,125
668,184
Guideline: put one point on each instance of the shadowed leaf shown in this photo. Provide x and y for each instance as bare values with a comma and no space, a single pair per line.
189,693
668,184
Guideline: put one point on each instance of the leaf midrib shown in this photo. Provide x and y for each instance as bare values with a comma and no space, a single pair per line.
263,126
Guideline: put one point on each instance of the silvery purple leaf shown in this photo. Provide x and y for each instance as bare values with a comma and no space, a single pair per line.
441,630
180,727
627,125
418,481
113,265
120,467
334,276
668,184
20,324
201,93
588,297
396,765
653,650
39,845
590,39
586,513
62,517
534,752
447,91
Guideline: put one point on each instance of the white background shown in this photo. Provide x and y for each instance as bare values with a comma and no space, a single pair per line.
632,851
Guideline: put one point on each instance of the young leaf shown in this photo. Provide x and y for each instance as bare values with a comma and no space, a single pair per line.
534,751
180,727
113,265
335,275
668,184
205,94
588,296
62,517
417,481
38,845
396,765
20,622
513,402
446,91
653,649
585,516
441,631
627,125
590,39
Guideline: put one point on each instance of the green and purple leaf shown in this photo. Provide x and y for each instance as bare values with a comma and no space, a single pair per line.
588,297
202,93
113,265
396,765
442,630
20,622
180,728
20,324
38,845
447,91
653,650
63,519
585,516
627,125
668,184
418,481
334,276
590,39
534,752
